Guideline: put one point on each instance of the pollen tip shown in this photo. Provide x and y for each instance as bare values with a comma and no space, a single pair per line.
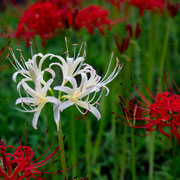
140,76
7,56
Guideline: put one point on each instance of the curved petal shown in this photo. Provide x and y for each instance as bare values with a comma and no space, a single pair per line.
50,71
90,108
22,72
57,114
25,100
64,89
66,104
35,119
43,59
47,86
73,82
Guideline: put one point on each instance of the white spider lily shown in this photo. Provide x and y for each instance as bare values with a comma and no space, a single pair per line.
30,69
36,99
96,81
75,95
71,66
68,66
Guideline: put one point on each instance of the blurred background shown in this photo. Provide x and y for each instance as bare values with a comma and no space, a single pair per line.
143,35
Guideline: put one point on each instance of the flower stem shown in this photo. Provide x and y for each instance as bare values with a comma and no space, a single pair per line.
88,147
62,154
163,57
151,158
174,159
123,162
73,140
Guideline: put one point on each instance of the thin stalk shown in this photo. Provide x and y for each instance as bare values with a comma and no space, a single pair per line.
123,162
102,121
114,98
151,156
133,154
73,141
174,159
88,147
163,56
62,154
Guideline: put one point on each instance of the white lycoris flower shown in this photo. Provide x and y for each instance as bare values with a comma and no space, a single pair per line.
30,69
75,95
91,84
71,66
95,80
36,99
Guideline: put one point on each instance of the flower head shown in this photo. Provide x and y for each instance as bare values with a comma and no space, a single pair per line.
19,162
93,17
148,5
117,3
173,8
31,69
36,99
36,21
79,84
161,112
85,94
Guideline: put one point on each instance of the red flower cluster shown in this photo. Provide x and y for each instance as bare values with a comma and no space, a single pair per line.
123,46
117,3
148,5
61,15
163,114
20,164
173,8
41,19
93,17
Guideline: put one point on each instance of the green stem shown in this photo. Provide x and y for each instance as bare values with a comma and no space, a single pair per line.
133,154
61,148
73,141
123,162
88,147
174,159
163,57
102,121
151,154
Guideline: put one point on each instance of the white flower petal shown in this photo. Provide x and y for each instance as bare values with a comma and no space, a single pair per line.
90,108
35,118
66,104
64,89
57,115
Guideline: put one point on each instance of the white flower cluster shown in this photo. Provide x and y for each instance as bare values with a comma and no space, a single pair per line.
80,85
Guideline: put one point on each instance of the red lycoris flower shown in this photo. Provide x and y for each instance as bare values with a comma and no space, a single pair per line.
173,8
93,17
19,164
161,112
148,5
123,46
117,3
42,18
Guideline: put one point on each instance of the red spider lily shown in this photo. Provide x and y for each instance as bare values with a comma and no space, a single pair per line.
123,46
67,3
42,18
117,3
19,164
161,112
173,9
93,17
148,5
